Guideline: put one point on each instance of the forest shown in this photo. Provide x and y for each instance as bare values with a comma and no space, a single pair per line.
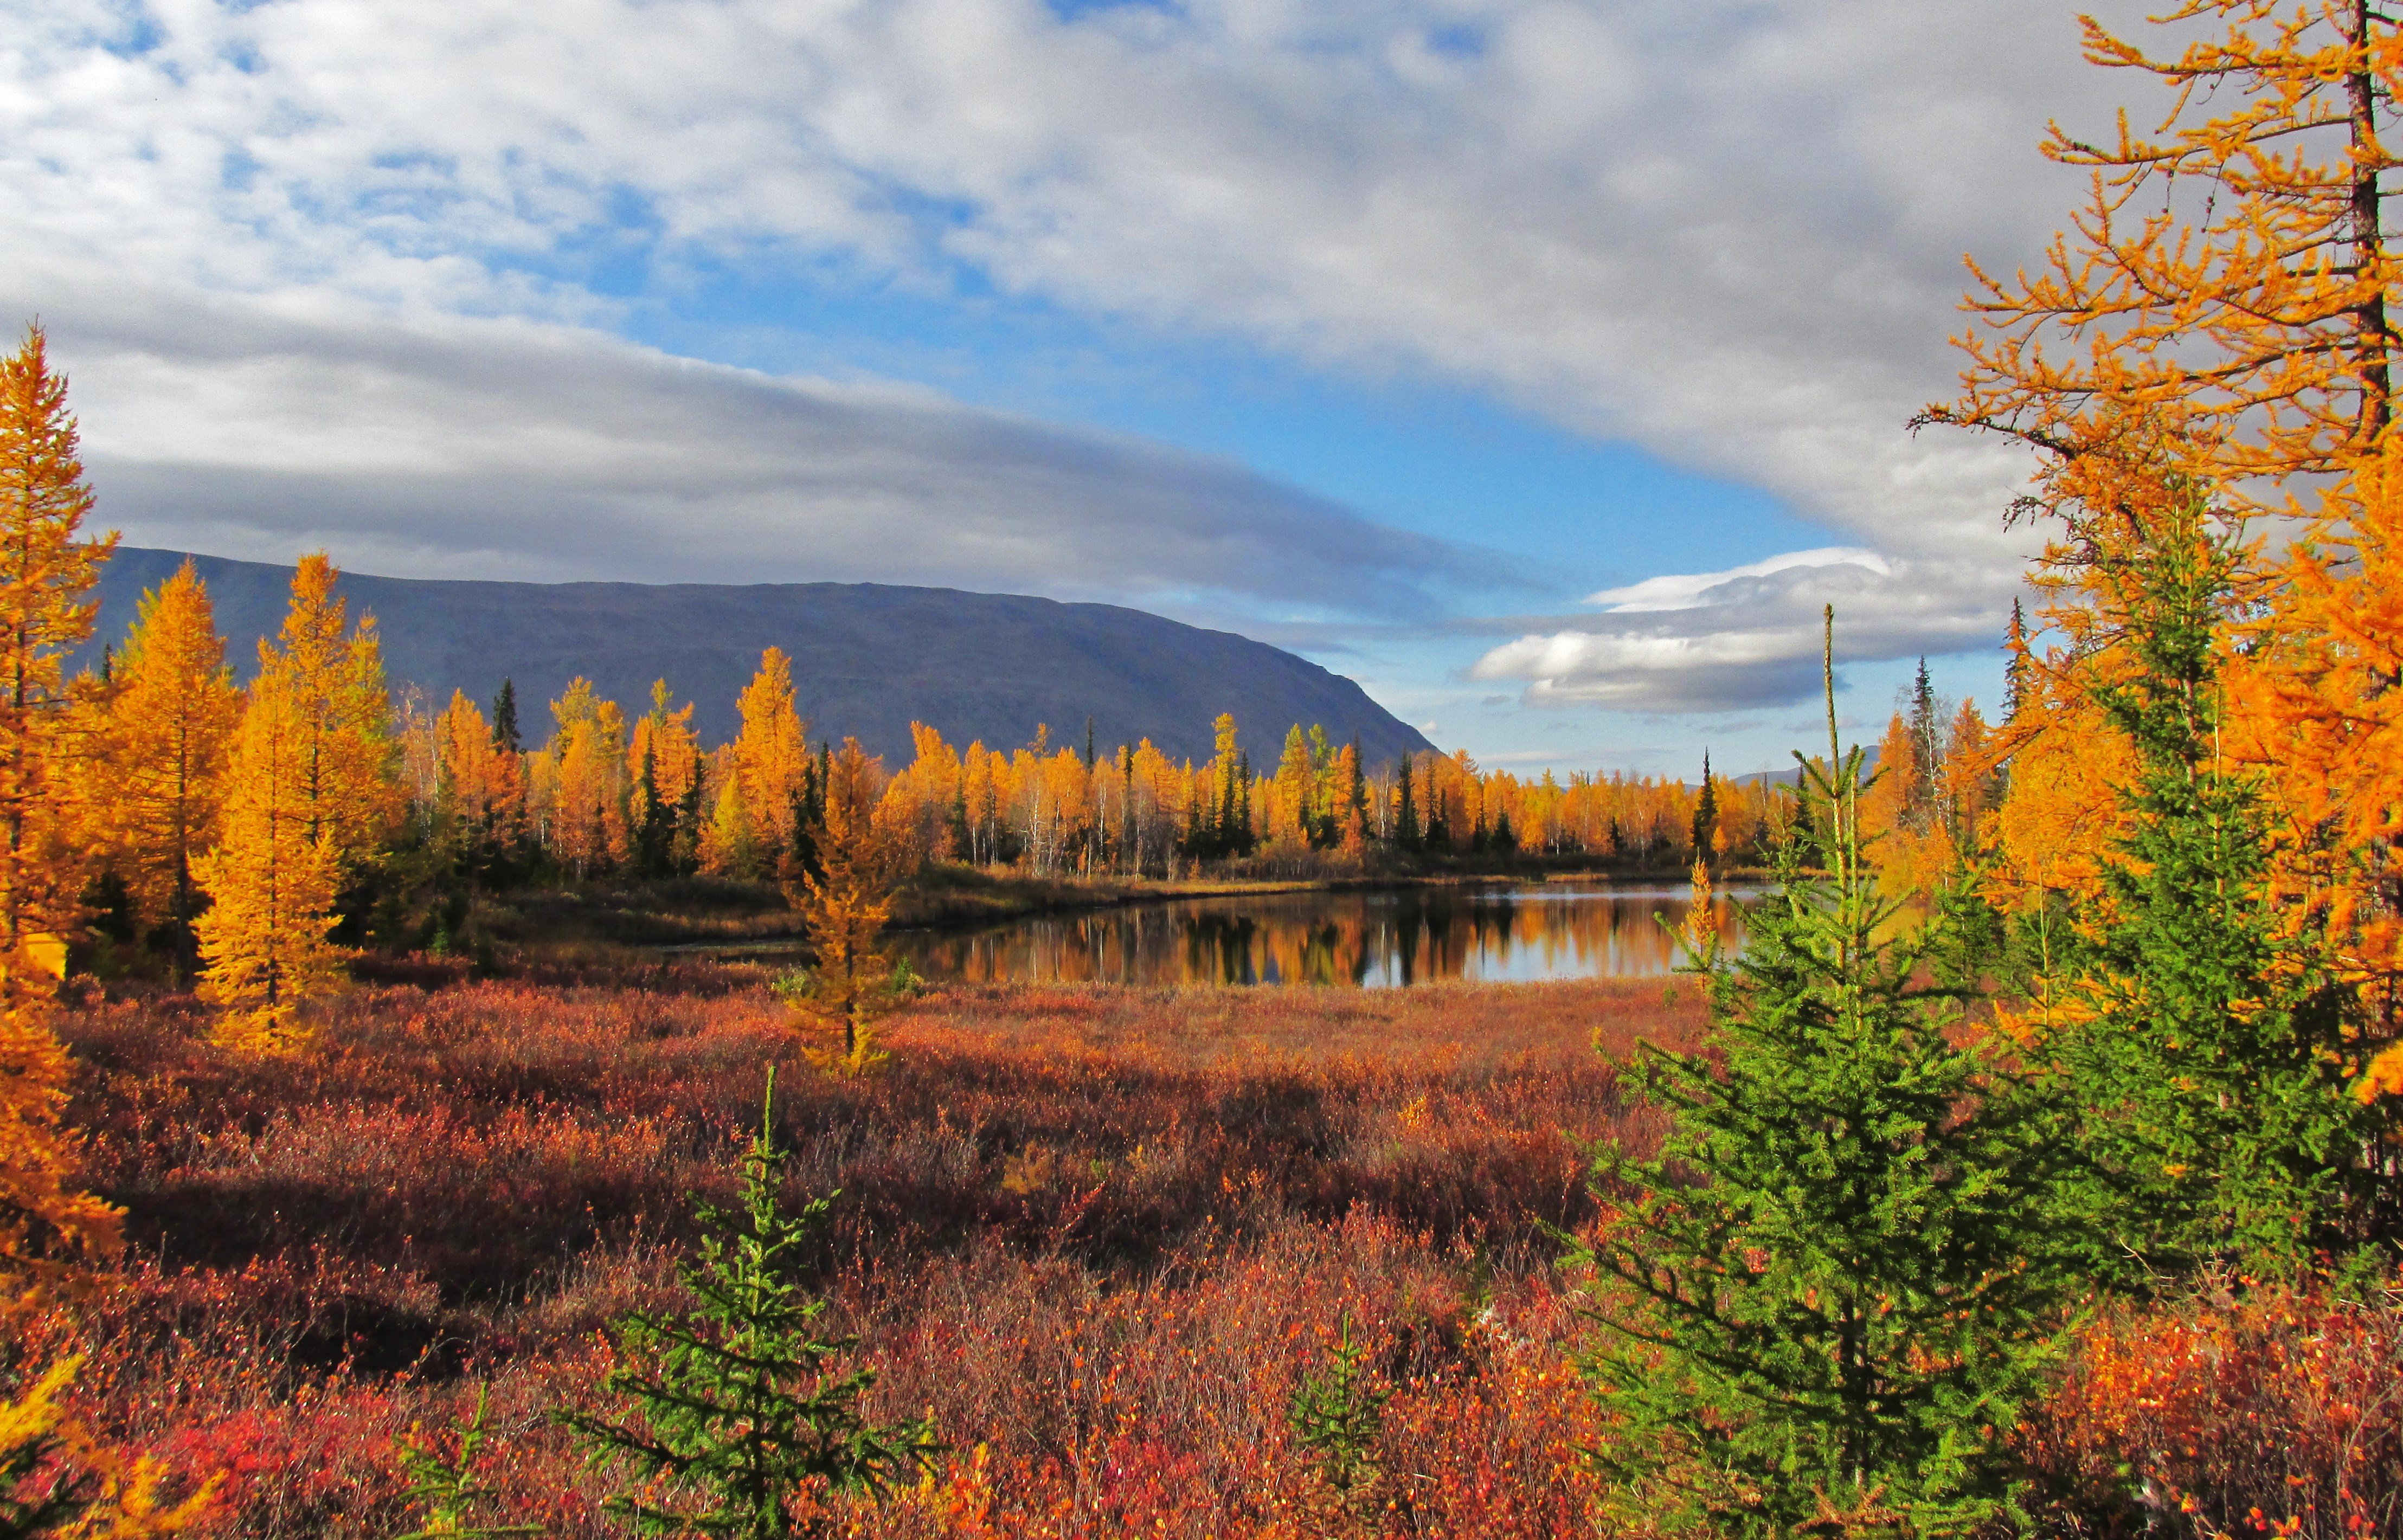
2034,1166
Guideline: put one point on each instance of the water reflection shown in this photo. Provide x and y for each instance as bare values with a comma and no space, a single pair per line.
1366,939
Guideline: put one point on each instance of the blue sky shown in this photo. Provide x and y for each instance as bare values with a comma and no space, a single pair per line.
1543,365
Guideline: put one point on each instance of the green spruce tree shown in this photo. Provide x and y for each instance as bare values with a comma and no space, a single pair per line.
506,736
2196,1045
745,1416
1834,1284
1706,812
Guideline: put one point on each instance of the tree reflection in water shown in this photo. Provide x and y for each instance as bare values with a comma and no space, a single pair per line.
1361,938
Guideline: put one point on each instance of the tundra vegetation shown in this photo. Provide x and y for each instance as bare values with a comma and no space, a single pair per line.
2033,1167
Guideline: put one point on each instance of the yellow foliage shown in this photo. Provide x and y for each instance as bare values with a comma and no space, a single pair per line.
46,577
126,1504
2255,338
331,676
843,906
771,752
162,749
272,884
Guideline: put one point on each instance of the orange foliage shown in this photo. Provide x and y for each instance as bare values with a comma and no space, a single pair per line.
771,757
843,906
2226,287
330,674
45,577
271,882
162,746
580,781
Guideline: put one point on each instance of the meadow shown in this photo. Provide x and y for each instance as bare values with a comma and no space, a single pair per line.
1097,1232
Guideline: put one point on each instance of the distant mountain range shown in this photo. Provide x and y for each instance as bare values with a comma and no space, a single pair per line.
868,658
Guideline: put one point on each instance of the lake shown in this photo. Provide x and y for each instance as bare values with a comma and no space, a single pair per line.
1371,939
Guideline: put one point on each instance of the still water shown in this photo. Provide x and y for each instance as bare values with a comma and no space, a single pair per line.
1370,940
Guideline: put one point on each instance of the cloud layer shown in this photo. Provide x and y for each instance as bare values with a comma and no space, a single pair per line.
1728,229
1751,636
468,448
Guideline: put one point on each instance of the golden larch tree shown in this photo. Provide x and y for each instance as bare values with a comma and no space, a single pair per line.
2226,285
46,572
330,673
162,750
271,880
843,906
663,774
587,823
481,783
771,755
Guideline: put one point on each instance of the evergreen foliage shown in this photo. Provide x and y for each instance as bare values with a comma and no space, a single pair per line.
744,1415
1836,1283
1706,812
2199,1044
446,1490
506,736
1337,1416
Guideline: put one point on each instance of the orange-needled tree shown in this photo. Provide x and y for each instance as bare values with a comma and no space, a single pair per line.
308,799
2227,285
2221,315
162,750
844,904
771,754
47,572
271,882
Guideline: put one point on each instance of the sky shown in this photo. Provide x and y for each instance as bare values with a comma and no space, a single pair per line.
1543,365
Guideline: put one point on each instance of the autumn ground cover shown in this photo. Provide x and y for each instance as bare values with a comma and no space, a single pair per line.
1098,1232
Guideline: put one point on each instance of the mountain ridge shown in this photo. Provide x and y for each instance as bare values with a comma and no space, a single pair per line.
867,658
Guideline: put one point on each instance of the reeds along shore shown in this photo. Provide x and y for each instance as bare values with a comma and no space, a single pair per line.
1099,1233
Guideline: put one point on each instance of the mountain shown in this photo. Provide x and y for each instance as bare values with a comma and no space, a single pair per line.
867,658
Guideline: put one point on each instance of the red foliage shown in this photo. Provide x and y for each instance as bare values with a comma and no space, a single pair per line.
1100,1232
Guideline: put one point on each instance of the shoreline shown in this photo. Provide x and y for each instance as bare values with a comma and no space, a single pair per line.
968,899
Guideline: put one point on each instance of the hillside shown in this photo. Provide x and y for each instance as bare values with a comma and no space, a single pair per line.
868,658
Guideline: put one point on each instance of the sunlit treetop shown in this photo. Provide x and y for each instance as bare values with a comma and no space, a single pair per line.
2227,282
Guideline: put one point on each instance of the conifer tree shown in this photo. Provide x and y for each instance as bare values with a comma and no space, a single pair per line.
47,572
57,1480
505,735
740,1400
330,674
2200,1040
1706,814
270,881
447,1488
771,753
843,905
162,750
1836,1281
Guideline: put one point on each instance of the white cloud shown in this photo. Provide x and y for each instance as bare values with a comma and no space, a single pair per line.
1728,230
1692,590
1751,636
466,448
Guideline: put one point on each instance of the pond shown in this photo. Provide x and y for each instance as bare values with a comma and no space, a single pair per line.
1368,938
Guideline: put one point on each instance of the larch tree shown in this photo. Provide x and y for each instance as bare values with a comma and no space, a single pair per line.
309,797
170,721
588,756
46,572
665,769
482,785
271,880
772,752
844,905
330,672
2227,280
2224,305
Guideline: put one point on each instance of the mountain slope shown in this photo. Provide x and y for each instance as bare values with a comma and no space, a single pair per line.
868,658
